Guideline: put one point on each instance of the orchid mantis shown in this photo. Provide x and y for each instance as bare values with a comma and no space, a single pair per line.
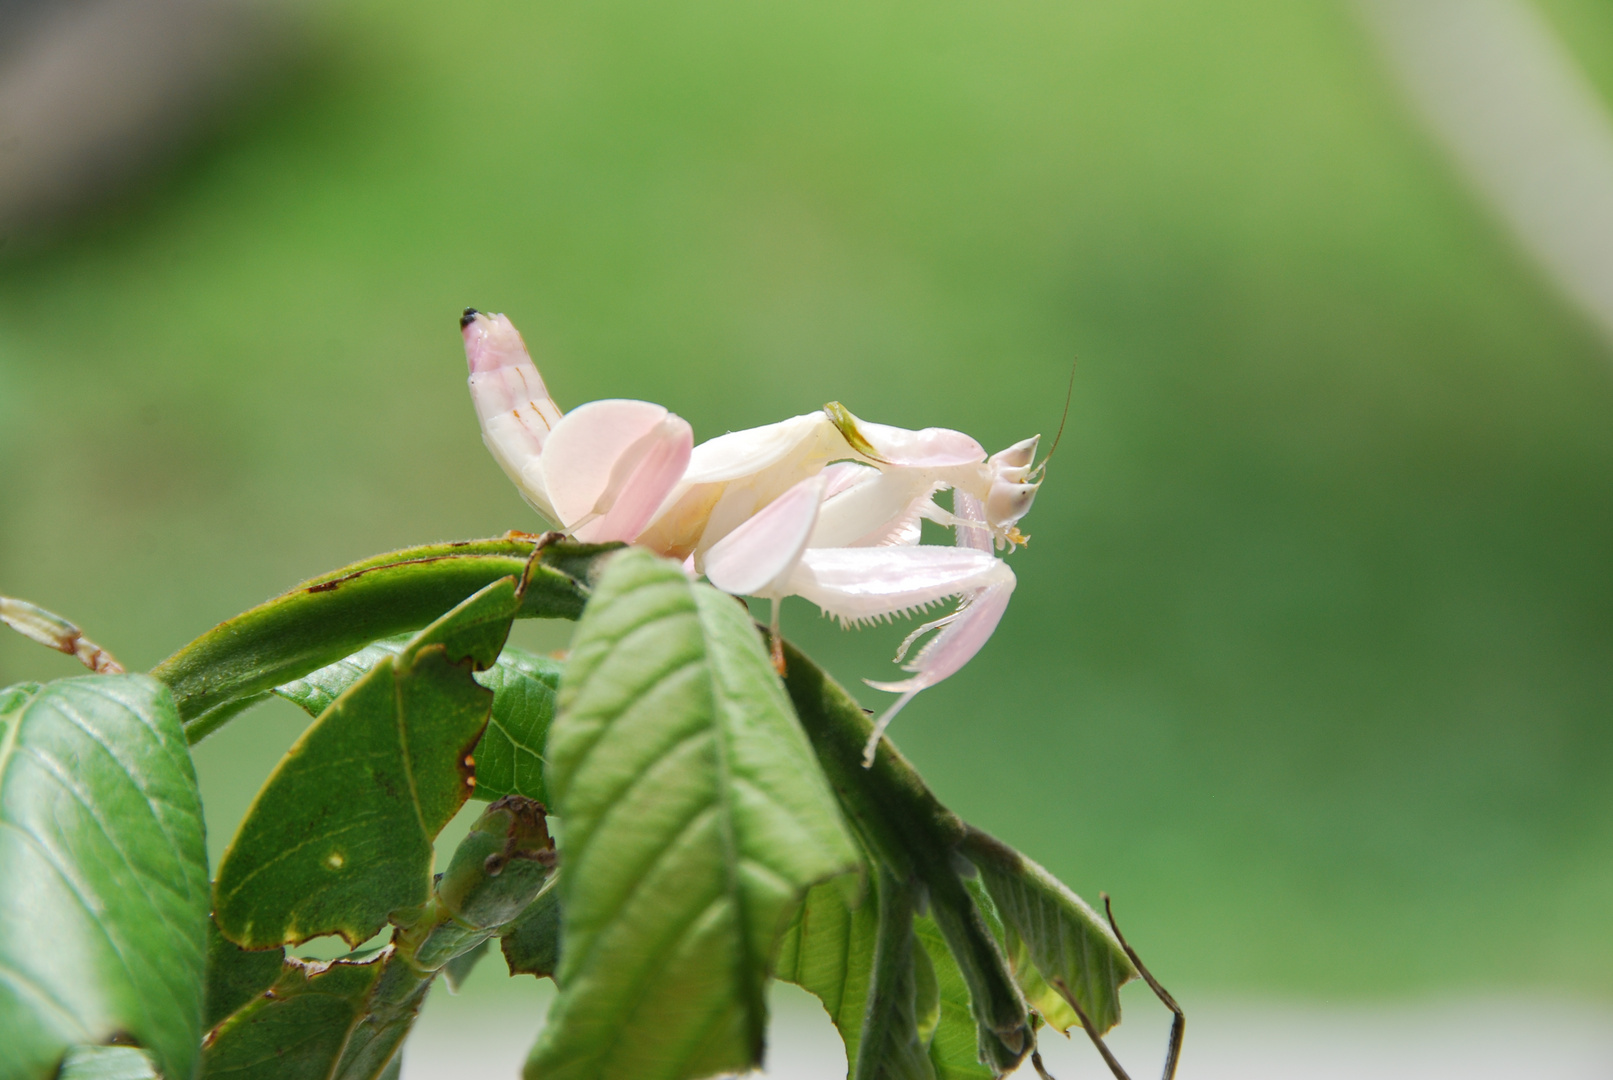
822,505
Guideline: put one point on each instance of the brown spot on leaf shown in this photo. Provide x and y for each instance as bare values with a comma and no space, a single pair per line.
327,586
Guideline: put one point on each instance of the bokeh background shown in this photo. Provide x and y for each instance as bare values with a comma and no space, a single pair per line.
1311,660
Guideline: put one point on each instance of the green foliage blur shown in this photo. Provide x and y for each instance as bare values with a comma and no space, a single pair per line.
1311,660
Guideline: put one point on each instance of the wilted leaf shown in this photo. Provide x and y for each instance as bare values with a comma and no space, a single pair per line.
103,875
341,834
696,817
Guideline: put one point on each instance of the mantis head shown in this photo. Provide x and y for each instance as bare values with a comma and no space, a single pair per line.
1013,485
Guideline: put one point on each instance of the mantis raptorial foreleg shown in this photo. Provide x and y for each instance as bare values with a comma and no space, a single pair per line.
768,556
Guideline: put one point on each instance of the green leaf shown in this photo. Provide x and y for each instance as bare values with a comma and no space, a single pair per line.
696,818
103,874
338,1021
912,834
503,864
509,758
336,614
272,1017
1048,1003
235,975
1069,945
828,951
891,1047
341,834
531,946
108,1063
318,690
955,1046
1043,998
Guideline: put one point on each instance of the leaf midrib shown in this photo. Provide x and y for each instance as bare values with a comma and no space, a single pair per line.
721,715
402,721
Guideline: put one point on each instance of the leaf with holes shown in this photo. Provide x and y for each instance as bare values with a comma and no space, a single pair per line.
695,817
341,834
509,758
103,876
828,951
338,1021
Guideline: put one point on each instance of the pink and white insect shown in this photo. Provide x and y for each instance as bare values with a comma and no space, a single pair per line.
823,505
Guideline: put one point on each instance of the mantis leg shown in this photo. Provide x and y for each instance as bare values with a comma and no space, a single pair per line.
756,558
608,466
864,584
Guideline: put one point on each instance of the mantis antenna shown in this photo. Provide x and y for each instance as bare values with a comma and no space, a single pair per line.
1069,393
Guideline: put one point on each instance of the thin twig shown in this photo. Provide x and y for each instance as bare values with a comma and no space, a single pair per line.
1097,1040
1179,1024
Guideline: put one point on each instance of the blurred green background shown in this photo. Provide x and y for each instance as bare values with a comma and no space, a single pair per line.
1311,660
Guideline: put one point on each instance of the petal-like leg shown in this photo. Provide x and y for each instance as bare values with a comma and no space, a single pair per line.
845,475
863,584
963,633
858,585
512,404
756,559
608,466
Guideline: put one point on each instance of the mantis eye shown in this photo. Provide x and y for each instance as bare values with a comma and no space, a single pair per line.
1007,502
